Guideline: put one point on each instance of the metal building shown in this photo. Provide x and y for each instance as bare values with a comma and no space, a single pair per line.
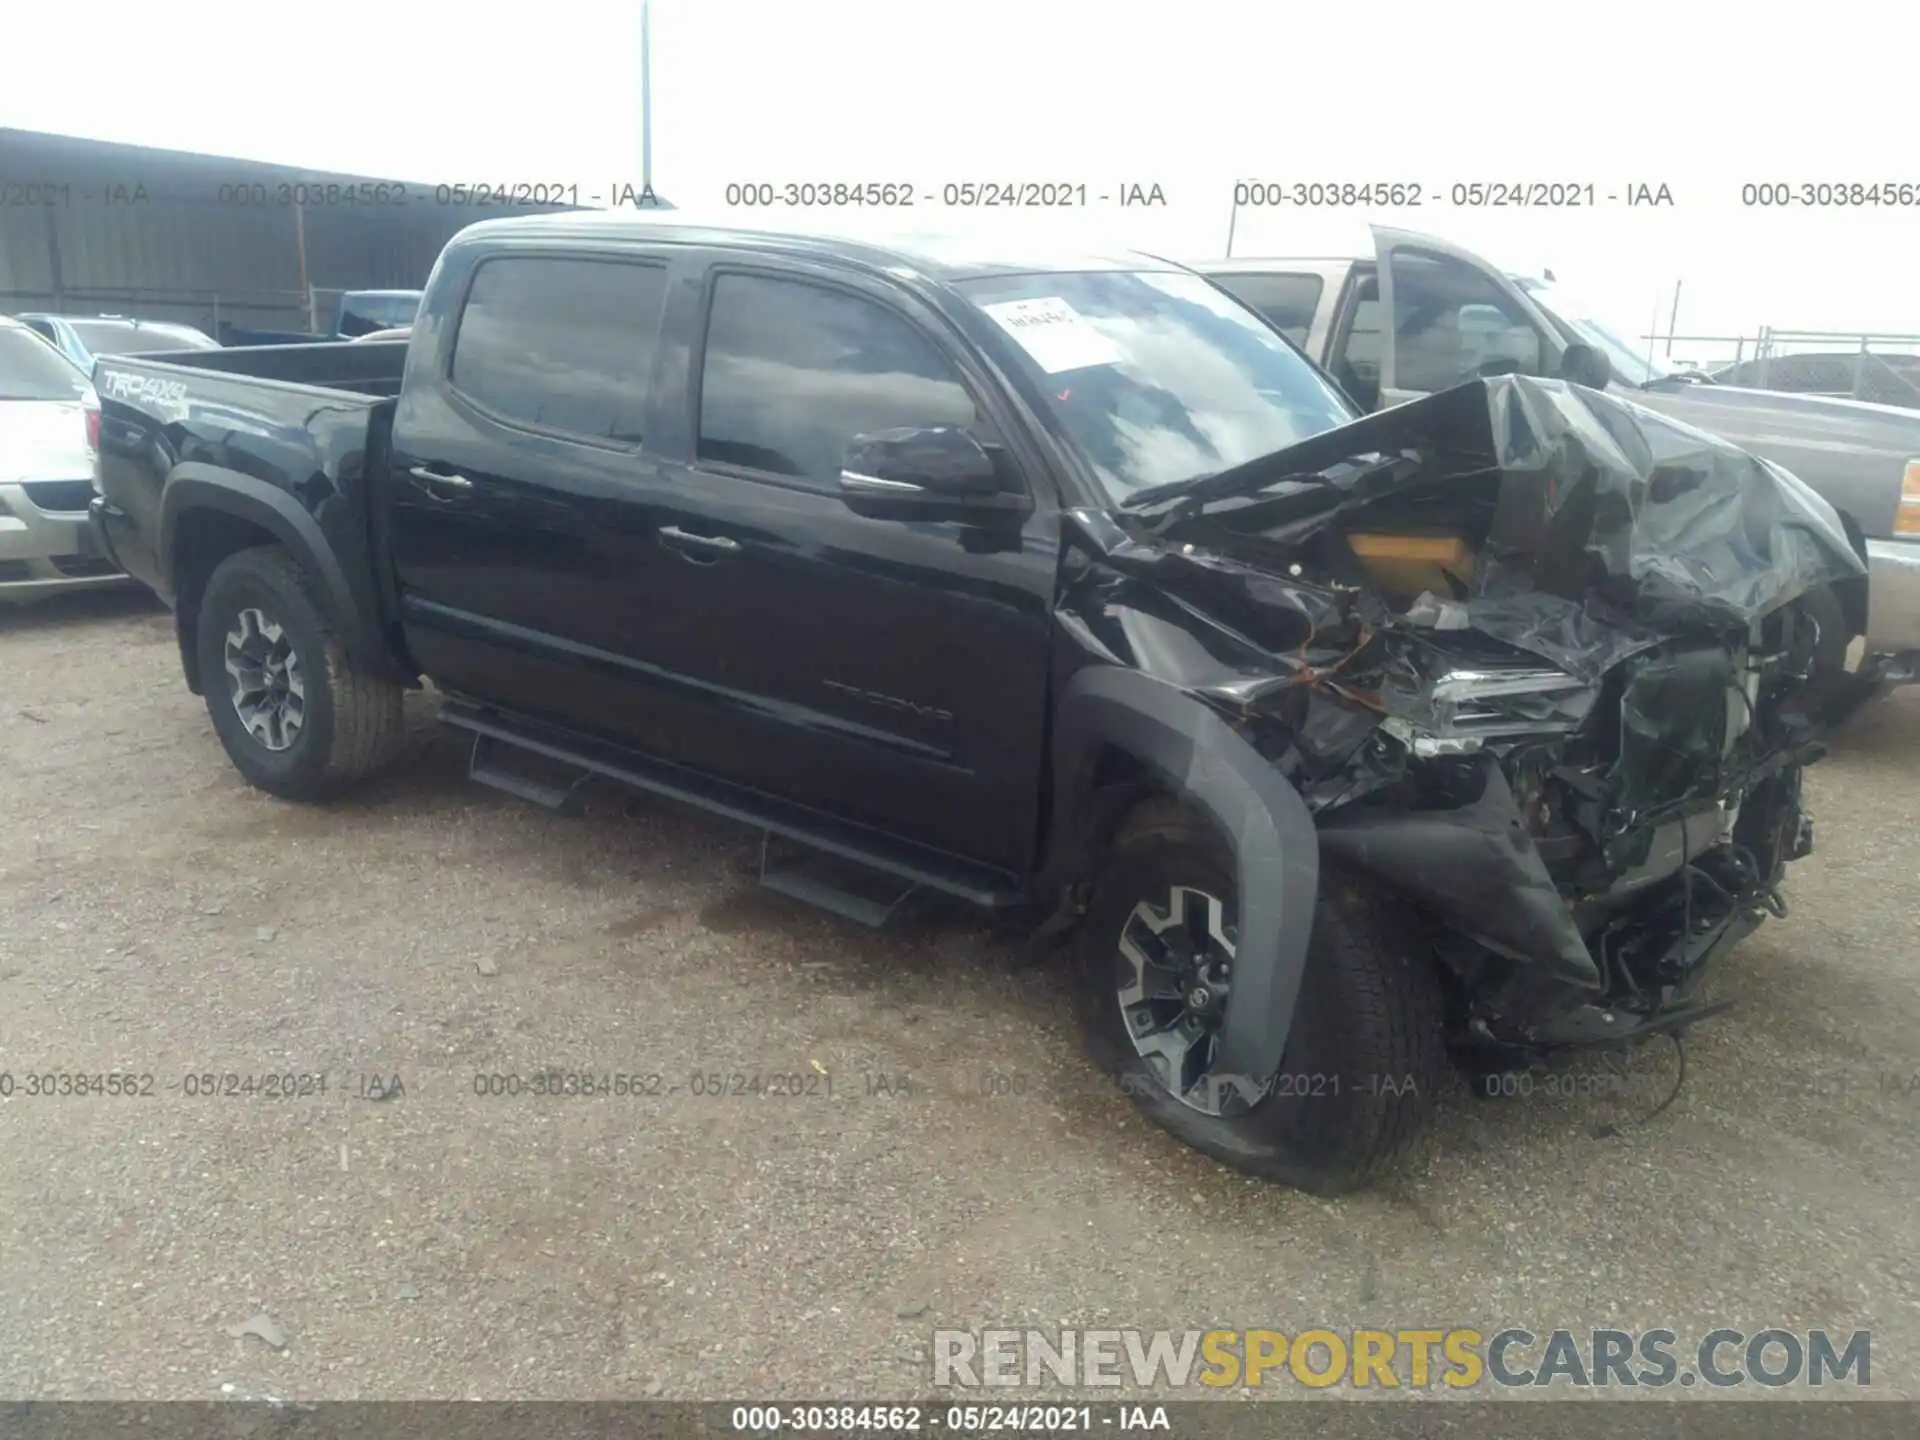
91,227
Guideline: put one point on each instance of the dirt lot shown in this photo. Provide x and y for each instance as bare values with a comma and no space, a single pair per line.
159,918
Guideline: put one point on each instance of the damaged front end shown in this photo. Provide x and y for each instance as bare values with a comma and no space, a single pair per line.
1540,660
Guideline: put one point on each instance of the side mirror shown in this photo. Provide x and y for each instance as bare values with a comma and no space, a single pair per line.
1586,365
926,472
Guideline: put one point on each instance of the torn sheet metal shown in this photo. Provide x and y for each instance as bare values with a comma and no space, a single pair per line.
1531,654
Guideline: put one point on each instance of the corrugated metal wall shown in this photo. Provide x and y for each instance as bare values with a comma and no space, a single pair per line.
89,227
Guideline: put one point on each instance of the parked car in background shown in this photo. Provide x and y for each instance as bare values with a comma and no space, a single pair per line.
1048,582
1456,317
49,424
1885,378
83,338
356,313
361,312
399,333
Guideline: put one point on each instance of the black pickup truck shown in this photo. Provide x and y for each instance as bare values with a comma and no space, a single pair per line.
1340,748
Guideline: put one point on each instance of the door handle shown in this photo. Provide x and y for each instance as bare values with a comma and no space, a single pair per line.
441,487
675,536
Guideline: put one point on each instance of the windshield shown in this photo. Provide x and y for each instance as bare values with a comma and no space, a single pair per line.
1631,363
118,337
1157,376
31,369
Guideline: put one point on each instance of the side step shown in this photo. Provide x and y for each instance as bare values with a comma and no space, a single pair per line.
848,889
488,766
850,870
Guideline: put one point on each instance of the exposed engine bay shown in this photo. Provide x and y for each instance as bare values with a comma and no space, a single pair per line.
1541,660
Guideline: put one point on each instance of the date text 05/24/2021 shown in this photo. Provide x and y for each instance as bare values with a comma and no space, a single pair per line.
956,1420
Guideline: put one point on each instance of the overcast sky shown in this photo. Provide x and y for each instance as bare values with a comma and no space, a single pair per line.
1700,96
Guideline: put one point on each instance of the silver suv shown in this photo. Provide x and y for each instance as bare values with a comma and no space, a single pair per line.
49,430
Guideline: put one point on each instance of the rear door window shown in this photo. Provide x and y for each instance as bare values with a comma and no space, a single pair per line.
1354,352
794,370
562,344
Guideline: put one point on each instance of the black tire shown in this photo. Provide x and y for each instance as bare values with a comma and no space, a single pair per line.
1366,1054
1830,650
351,722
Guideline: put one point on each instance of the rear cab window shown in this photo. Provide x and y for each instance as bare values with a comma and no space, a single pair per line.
793,369
1287,302
363,314
562,344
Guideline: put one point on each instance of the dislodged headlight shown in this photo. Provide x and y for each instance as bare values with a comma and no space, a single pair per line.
1462,709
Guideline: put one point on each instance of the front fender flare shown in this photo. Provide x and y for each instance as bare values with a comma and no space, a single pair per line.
1275,845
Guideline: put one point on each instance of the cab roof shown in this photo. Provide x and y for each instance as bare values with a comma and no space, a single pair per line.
939,256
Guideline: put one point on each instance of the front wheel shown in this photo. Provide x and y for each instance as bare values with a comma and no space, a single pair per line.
1365,1053
298,715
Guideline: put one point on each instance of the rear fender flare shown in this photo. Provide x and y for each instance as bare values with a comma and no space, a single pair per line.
1276,848
192,487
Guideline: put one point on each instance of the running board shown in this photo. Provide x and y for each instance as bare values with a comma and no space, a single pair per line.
848,889
486,766
902,865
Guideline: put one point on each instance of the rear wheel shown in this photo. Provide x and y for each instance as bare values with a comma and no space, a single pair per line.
298,715
1364,1056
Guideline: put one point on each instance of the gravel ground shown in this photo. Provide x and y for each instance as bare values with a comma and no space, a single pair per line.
161,918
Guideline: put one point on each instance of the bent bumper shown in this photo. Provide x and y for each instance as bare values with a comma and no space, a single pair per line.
1893,595
44,551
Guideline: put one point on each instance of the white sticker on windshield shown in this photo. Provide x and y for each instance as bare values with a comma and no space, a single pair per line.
1055,334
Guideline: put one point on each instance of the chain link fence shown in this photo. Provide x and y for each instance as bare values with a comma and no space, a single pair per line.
1848,364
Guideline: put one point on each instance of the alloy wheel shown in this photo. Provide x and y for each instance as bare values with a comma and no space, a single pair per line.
1174,974
264,673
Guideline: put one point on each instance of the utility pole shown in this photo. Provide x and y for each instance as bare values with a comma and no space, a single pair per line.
647,200
1673,319
646,99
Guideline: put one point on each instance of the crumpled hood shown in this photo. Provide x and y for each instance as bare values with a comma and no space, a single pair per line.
1532,657
1600,527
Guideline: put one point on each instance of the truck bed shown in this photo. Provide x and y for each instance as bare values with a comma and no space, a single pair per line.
301,429
373,368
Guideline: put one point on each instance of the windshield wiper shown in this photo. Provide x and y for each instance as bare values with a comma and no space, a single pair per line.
1257,476
1172,489
1248,479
